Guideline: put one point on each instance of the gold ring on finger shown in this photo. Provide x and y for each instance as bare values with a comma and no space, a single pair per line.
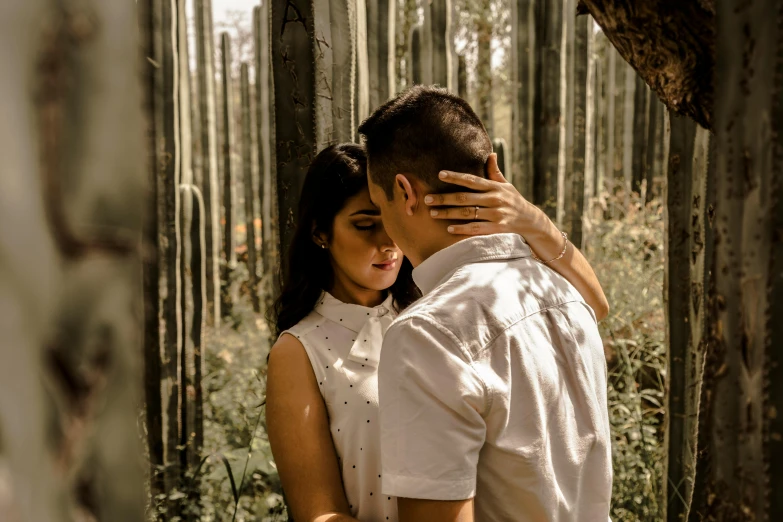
475,216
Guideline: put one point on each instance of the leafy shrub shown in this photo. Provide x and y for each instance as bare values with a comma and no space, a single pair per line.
234,391
628,257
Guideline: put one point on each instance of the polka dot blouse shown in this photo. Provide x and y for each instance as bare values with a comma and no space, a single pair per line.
343,342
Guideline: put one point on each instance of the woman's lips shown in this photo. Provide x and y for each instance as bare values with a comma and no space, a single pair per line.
386,265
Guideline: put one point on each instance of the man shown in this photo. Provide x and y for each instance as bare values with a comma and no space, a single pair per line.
493,385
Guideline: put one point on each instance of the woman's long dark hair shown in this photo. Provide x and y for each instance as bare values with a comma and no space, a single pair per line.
337,173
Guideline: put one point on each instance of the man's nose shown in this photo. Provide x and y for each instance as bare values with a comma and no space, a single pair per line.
386,243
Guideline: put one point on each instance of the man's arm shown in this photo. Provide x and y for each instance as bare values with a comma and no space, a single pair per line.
417,510
432,426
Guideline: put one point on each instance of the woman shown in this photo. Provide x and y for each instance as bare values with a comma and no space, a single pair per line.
346,282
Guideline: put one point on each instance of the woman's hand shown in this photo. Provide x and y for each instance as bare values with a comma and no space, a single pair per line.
495,207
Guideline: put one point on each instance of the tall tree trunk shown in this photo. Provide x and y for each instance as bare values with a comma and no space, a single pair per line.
653,144
612,111
523,87
462,77
739,473
294,86
416,72
500,148
169,244
361,72
546,141
687,246
248,168
640,126
611,119
629,95
193,294
440,12
191,417
373,44
484,68
381,15
71,207
661,152
302,60
600,44
580,82
343,73
229,290
264,107
426,43
591,113
565,166
205,55
156,327
409,17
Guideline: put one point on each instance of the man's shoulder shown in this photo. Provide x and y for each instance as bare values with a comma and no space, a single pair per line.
420,326
481,300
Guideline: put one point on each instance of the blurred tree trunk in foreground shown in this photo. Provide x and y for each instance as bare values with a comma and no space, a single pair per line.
70,286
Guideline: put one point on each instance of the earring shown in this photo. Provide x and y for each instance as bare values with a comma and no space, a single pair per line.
323,245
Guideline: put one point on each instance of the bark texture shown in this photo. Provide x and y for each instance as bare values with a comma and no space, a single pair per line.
70,286
229,291
670,43
688,246
265,134
546,108
205,59
294,86
738,475
248,182
575,204
523,87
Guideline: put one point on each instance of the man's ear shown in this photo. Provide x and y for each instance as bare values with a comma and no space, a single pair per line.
408,193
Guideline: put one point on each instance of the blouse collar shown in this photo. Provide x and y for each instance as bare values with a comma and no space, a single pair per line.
369,325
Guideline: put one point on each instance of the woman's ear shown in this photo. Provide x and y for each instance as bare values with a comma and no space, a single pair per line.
319,238
409,195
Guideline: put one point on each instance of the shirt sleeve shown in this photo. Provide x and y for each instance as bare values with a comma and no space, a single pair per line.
431,405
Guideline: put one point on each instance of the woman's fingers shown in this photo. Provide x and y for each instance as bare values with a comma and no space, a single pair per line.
477,228
464,180
493,170
467,213
461,199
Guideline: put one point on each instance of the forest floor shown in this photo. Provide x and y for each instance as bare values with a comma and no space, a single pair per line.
627,254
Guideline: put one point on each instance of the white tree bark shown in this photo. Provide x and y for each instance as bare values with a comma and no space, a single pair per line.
71,199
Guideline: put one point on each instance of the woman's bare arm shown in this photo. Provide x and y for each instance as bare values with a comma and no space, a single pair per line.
502,209
298,427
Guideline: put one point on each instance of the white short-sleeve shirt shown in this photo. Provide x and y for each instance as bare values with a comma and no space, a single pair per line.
343,342
493,386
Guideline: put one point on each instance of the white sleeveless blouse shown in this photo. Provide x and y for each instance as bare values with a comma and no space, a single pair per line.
343,342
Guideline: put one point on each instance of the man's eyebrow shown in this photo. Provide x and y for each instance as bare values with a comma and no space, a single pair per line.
367,211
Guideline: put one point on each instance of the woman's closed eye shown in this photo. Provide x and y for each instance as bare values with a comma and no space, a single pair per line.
365,225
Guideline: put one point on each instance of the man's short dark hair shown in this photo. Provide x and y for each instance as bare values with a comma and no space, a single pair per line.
420,132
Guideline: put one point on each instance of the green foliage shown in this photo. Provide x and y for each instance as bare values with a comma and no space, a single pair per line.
234,393
628,257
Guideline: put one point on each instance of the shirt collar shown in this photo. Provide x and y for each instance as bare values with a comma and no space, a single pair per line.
351,316
439,266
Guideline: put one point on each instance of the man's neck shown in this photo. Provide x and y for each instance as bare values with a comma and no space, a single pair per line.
436,243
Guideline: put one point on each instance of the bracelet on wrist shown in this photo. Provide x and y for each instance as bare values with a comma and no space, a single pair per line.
563,253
